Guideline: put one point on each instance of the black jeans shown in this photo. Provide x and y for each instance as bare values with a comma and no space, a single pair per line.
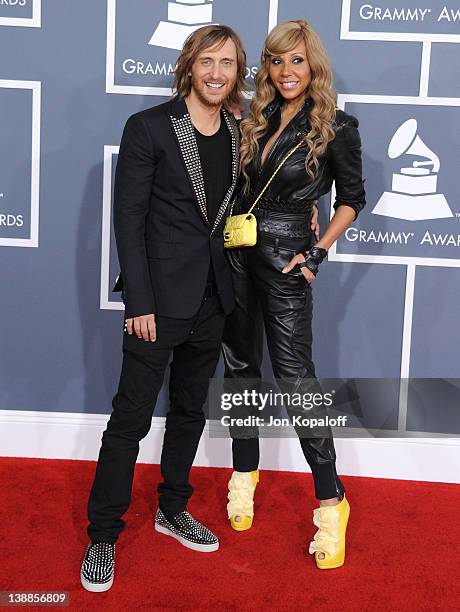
282,303
195,345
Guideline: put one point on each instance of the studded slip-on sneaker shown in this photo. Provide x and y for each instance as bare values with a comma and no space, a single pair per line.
188,531
98,567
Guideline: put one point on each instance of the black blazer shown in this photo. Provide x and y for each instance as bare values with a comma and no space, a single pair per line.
164,240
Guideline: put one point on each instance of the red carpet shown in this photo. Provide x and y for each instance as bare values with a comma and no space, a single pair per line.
403,544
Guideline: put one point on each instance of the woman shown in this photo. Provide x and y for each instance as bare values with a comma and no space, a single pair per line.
294,103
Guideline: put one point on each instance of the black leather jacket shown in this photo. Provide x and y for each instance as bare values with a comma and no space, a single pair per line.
292,190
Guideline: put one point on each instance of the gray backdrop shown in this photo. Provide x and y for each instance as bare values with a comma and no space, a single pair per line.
386,302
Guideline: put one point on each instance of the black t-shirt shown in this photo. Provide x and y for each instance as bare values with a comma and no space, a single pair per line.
216,162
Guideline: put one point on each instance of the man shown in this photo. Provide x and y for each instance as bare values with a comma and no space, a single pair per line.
176,172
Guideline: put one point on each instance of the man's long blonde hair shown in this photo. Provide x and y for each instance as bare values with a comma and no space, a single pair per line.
205,38
282,39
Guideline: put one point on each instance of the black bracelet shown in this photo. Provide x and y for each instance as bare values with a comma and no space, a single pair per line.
313,258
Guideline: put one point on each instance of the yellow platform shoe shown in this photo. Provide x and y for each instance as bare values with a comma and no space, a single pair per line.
330,537
240,505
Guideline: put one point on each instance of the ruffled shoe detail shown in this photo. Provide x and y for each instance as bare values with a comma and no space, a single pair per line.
241,489
330,538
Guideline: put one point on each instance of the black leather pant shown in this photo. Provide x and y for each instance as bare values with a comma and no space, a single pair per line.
282,303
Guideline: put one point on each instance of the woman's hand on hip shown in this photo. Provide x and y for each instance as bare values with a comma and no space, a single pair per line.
298,259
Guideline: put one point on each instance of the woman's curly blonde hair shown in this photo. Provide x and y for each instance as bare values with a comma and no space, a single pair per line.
282,39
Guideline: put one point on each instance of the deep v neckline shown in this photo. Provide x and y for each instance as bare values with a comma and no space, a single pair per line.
275,142
263,160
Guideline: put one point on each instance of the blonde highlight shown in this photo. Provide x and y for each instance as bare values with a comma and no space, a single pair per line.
282,39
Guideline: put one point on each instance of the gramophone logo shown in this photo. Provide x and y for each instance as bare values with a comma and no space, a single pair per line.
413,194
184,17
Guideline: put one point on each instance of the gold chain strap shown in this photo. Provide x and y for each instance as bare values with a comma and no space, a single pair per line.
293,150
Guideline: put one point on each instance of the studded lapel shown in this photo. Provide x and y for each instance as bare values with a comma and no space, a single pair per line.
235,135
183,128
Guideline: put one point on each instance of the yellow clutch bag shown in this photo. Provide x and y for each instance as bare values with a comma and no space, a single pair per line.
241,230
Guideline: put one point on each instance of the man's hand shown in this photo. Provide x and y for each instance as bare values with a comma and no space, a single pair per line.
143,327
314,225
